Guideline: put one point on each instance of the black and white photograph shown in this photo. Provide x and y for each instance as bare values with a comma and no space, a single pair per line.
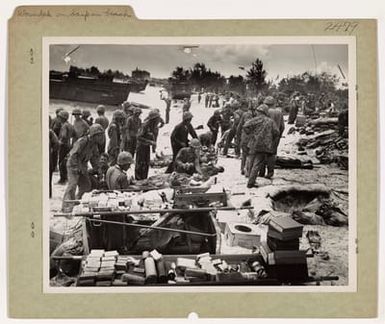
226,163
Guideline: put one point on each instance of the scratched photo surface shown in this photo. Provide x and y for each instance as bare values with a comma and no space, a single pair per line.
225,163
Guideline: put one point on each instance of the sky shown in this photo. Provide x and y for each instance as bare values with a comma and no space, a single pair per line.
160,60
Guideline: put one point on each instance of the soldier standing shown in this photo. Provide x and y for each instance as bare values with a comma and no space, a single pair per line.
65,136
85,150
146,139
114,134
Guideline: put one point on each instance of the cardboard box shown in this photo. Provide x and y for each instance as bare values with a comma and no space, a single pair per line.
242,234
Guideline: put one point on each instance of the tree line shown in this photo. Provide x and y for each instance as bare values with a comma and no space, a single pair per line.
256,82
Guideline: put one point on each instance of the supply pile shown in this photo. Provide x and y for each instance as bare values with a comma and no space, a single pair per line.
281,251
111,269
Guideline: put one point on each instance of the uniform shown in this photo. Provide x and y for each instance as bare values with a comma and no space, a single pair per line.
83,151
145,139
187,155
115,140
233,132
261,142
213,124
129,143
117,178
65,136
53,149
81,128
104,122
179,137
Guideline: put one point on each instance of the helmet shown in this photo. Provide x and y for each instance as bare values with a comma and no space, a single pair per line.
58,110
187,115
263,109
153,114
118,114
124,158
96,129
100,109
86,113
195,143
126,104
64,114
269,101
137,111
76,111
217,112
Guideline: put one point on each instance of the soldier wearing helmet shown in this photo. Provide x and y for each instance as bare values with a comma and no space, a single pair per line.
262,136
101,119
186,104
188,158
84,150
128,109
65,135
213,124
145,140
133,124
159,125
276,115
104,122
168,108
86,115
55,125
179,137
244,137
80,125
115,135
57,122
237,115
118,176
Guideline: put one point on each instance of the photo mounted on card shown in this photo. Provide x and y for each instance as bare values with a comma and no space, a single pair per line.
206,164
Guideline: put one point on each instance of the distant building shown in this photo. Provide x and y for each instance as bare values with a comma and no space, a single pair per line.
141,74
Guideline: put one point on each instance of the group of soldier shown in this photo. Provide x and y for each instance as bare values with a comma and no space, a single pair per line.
73,146
253,127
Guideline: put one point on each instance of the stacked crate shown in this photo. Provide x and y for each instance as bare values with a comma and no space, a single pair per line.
284,260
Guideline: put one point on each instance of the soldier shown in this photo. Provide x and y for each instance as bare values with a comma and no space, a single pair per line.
65,136
146,138
114,134
261,142
186,105
188,158
117,176
244,137
226,119
85,150
53,150
168,108
156,129
213,124
98,176
86,115
57,122
207,98
102,121
233,131
294,108
179,136
133,125
80,125
276,115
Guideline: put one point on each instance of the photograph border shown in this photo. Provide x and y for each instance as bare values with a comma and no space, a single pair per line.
350,41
